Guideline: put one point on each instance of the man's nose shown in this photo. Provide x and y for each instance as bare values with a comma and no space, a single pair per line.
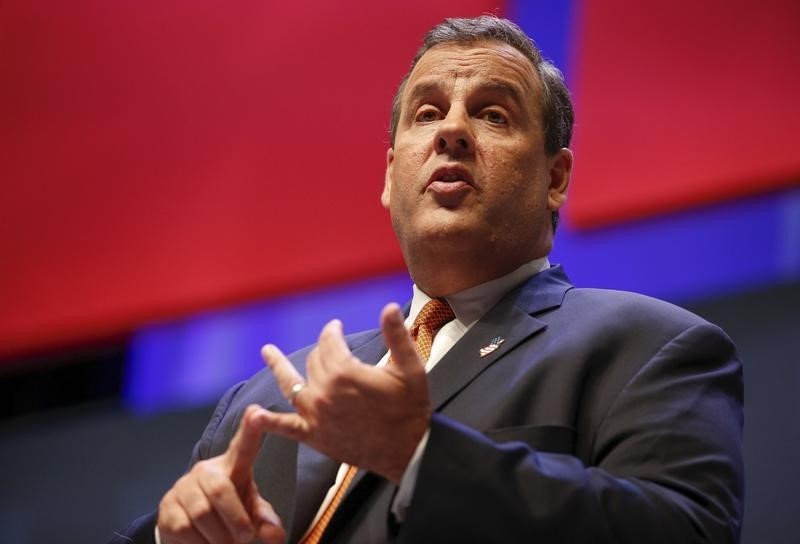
454,134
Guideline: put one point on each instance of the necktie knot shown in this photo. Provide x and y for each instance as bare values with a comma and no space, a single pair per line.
432,317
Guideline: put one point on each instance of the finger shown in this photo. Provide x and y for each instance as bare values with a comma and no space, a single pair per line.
283,370
228,504
271,534
270,529
400,344
314,371
173,522
243,448
202,515
333,348
292,426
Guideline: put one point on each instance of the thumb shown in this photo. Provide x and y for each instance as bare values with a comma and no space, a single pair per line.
243,449
398,340
270,528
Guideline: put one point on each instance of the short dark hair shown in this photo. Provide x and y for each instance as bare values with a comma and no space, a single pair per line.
557,112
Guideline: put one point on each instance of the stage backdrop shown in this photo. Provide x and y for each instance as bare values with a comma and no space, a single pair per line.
160,158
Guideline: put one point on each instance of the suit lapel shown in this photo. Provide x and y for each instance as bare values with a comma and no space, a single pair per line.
464,362
315,474
511,319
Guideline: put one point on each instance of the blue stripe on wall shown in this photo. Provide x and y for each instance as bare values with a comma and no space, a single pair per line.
550,23
694,254
192,361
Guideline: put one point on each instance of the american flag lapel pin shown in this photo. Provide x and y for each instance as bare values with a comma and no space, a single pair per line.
493,345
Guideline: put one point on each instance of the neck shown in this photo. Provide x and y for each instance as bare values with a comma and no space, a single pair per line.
441,279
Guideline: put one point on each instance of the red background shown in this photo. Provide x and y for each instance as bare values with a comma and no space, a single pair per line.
162,157
683,103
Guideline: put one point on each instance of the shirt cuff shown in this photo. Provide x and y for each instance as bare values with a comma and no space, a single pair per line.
402,500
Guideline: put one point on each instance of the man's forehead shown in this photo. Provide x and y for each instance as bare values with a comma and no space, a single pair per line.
497,64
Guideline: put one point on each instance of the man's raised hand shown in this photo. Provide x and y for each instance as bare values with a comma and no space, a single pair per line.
354,412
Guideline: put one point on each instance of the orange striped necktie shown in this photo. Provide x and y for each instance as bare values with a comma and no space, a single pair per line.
432,317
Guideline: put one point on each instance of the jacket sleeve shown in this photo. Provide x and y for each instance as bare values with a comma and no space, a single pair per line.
665,465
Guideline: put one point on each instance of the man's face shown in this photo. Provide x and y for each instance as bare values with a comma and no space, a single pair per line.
468,165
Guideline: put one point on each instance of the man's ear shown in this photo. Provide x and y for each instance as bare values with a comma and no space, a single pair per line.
387,182
560,172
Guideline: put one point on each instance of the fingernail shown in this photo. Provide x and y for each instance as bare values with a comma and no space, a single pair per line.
269,517
260,417
246,535
396,315
268,354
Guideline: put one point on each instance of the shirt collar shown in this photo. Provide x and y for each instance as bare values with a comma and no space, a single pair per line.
470,305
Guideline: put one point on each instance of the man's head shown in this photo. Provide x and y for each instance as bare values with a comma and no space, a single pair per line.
556,105
477,168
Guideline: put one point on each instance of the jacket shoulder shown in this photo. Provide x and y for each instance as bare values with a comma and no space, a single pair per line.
607,304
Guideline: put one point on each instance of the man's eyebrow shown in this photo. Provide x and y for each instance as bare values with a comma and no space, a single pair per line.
505,88
423,88
514,92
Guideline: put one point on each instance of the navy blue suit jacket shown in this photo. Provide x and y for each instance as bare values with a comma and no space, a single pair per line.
603,416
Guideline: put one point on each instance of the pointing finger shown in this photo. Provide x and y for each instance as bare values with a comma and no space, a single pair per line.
244,448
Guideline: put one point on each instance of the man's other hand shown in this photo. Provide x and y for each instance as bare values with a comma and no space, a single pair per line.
356,413
217,500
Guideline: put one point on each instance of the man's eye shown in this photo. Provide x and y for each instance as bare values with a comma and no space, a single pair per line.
495,117
427,116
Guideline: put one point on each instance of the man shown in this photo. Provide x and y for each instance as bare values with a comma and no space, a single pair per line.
548,413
